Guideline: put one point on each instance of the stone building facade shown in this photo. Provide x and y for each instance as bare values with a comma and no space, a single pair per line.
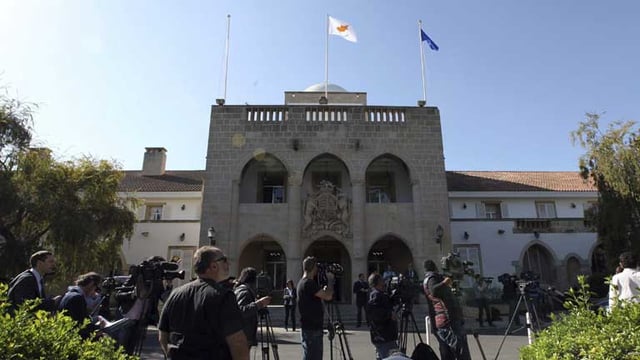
358,185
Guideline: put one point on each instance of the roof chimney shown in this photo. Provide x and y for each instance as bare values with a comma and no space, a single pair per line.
155,160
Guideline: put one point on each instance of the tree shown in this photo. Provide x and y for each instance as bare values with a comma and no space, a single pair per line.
70,207
612,162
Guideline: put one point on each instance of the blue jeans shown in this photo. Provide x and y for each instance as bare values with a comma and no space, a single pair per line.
311,344
383,349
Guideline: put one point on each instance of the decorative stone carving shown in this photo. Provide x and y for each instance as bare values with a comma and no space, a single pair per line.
327,209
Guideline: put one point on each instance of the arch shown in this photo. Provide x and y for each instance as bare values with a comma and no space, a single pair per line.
328,250
263,180
389,250
538,258
328,162
264,253
388,179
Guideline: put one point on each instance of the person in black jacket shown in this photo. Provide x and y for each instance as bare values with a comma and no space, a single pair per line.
249,306
289,297
382,321
361,289
29,284
75,305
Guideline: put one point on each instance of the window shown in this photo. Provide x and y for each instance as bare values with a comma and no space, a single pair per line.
153,213
546,209
272,189
380,187
492,210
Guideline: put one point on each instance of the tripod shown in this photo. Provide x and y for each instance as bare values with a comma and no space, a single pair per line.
406,320
336,327
267,338
532,322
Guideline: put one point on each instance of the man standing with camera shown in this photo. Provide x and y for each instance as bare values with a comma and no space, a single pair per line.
310,297
382,322
446,315
201,319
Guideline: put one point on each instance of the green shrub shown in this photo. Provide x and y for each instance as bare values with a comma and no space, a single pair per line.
583,333
31,334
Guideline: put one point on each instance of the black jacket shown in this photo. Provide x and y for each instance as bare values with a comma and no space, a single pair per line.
25,287
383,328
76,306
361,289
247,303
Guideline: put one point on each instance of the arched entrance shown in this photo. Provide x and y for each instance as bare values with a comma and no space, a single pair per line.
539,260
389,251
265,254
329,250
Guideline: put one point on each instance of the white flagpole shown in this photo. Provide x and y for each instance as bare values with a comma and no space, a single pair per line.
226,57
326,61
424,85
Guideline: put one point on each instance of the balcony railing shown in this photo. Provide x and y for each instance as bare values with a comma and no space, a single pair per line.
552,225
271,114
336,114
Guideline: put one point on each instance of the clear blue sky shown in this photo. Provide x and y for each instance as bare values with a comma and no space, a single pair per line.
512,78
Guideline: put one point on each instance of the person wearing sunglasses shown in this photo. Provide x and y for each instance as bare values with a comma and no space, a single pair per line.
201,319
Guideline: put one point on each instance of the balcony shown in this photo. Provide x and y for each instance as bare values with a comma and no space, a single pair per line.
553,226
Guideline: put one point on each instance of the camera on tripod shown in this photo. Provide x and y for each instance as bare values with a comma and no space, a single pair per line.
324,268
402,290
264,285
529,281
456,268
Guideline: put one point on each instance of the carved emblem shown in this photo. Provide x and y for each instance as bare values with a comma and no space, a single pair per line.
327,209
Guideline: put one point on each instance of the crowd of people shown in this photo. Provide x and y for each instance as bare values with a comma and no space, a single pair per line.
213,318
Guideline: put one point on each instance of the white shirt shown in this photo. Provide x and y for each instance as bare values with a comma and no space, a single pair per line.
624,286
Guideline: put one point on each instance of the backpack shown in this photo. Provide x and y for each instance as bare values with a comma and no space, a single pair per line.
423,352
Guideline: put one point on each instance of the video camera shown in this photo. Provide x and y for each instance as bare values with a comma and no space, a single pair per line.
323,268
264,285
456,268
402,290
529,281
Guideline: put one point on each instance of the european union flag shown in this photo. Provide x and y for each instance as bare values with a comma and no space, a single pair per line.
426,38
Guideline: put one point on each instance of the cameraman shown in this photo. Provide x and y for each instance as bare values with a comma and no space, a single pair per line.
310,297
510,295
446,314
201,319
246,297
382,321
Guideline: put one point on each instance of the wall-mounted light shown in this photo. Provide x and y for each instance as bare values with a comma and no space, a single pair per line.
183,207
211,235
295,144
464,205
422,103
356,144
466,235
323,100
220,102
144,233
536,234
500,231
573,205
182,236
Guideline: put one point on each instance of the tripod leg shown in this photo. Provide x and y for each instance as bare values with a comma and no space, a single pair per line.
506,332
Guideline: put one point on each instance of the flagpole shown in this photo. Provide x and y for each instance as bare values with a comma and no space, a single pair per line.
226,55
326,61
424,86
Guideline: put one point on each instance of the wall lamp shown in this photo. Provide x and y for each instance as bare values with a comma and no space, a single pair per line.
183,207
500,231
464,205
182,236
439,234
144,233
295,144
536,234
211,235
466,235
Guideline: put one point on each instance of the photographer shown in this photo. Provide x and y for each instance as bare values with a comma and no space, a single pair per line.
201,319
310,297
510,294
382,322
446,314
246,297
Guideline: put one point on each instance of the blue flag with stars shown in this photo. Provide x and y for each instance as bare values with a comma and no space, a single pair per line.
426,38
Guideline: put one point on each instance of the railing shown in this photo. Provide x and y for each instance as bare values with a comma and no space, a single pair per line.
326,114
552,225
392,115
274,114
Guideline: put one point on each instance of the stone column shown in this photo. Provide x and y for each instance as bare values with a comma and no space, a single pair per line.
234,243
418,245
294,251
360,248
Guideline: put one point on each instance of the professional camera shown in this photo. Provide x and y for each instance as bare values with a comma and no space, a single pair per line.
456,268
507,279
529,281
323,268
264,285
402,290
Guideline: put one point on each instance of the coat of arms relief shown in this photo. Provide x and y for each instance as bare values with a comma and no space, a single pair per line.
327,209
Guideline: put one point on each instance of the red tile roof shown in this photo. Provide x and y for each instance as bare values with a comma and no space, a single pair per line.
517,181
171,181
